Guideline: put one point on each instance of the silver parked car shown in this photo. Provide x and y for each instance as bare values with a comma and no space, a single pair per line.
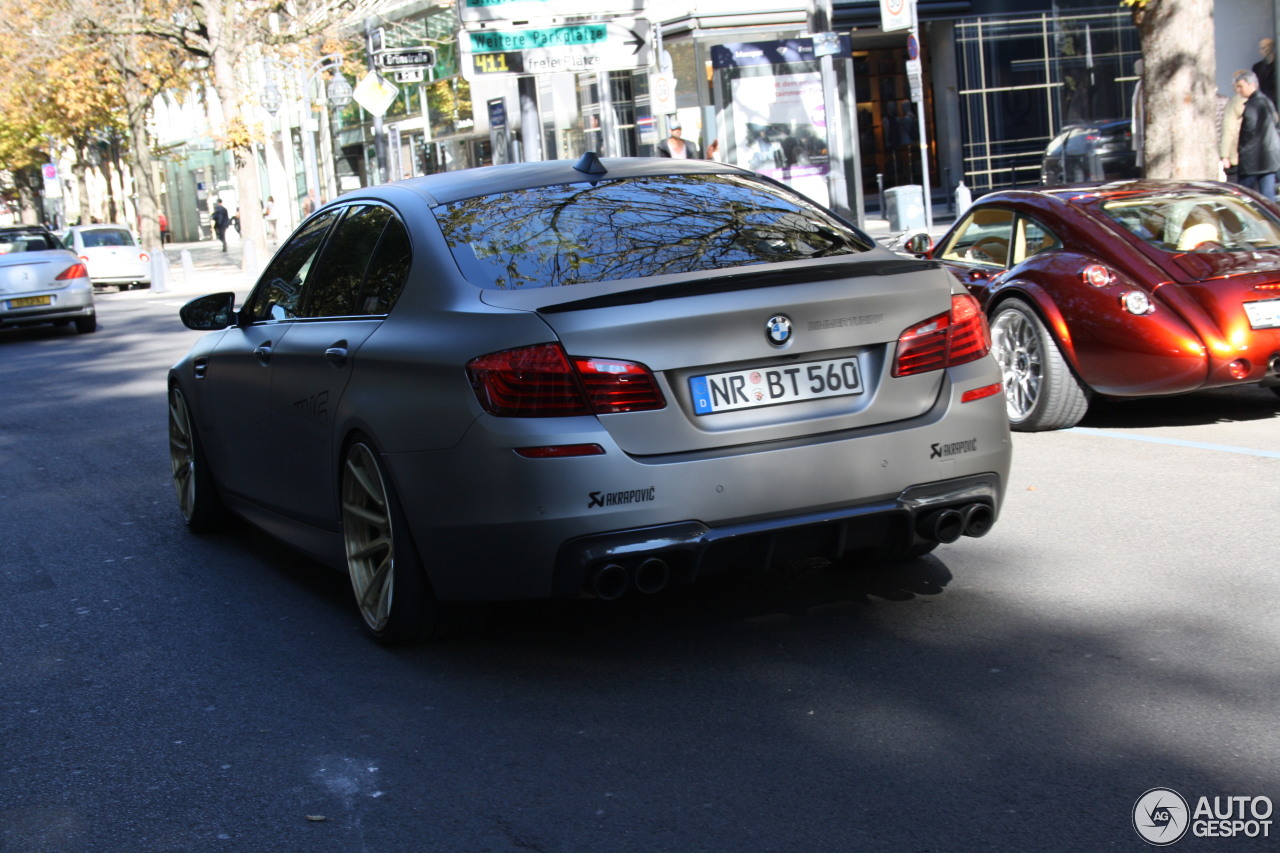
42,282
112,255
557,379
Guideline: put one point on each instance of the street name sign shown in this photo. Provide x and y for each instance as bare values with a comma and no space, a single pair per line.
615,45
481,11
405,58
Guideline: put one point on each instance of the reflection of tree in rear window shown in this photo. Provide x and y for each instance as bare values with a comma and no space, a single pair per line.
576,233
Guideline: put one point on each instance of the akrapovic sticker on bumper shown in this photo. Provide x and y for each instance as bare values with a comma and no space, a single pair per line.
623,498
955,448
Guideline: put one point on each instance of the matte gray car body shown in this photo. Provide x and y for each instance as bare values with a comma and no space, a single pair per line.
277,402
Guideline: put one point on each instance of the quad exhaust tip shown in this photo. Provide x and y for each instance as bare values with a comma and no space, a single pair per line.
948,524
613,580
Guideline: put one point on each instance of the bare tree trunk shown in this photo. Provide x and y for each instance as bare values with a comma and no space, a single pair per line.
1179,95
220,22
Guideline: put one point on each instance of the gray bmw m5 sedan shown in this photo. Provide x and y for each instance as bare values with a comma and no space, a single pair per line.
562,379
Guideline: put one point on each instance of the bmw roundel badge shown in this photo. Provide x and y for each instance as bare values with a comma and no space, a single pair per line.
778,329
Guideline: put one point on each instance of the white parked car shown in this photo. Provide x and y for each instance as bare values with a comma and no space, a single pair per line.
112,255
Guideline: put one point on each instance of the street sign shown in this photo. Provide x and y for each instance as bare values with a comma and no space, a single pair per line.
404,58
374,93
408,75
480,11
915,79
896,14
617,45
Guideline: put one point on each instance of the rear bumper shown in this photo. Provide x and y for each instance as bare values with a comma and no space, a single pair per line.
609,563
68,304
492,525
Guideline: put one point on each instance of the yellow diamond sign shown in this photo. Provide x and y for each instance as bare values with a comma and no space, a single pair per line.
375,93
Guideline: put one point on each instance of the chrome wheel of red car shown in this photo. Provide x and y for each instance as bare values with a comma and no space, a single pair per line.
1040,391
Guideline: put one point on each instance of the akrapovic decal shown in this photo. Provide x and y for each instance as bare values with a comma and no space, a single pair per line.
955,448
623,498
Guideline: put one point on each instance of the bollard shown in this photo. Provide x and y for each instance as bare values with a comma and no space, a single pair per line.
159,272
188,269
964,198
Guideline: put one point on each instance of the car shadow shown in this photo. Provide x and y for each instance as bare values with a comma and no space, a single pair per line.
794,593
791,592
1220,405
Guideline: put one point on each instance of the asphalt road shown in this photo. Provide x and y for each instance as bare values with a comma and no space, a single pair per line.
1115,633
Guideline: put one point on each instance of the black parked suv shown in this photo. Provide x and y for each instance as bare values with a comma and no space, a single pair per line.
1101,151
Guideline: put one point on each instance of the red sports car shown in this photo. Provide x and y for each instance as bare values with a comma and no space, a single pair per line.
1126,289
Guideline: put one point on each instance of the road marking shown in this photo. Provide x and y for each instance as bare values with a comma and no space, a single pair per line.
1177,442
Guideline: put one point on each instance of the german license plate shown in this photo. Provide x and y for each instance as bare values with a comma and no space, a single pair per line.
771,386
30,301
1264,314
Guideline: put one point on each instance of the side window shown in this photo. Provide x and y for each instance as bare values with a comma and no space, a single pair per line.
982,238
1033,238
387,271
279,291
333,290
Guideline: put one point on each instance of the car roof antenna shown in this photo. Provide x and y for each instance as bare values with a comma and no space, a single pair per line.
590,165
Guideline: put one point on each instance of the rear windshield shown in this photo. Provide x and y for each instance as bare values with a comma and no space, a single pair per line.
635,227
27,241
106,237
1197,222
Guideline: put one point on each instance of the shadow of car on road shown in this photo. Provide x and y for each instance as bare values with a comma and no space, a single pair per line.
1220,405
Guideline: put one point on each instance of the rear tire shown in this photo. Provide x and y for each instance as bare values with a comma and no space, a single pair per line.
391,589
1041,392
198,497
85,325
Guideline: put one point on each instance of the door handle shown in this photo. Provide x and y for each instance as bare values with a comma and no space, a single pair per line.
262,352
336,355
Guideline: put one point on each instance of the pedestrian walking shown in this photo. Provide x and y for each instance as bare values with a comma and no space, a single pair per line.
220,222
269,216
1258,148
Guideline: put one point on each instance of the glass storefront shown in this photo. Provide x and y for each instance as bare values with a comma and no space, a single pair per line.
1022,79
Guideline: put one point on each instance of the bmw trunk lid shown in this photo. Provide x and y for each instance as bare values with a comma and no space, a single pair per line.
754,354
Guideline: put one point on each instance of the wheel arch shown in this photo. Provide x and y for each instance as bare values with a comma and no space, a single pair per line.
1046,310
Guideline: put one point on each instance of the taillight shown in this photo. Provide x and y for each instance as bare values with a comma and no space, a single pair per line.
957,337
73,271
541,382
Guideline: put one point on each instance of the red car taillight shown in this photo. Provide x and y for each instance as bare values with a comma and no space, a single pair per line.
541,382
73,271
957,337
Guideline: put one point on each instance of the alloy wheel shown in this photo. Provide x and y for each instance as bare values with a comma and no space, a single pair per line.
1016,343
182,453
367,535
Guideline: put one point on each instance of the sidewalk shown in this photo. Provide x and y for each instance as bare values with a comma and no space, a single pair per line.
202,267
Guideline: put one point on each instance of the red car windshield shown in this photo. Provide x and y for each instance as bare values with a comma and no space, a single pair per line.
1197,221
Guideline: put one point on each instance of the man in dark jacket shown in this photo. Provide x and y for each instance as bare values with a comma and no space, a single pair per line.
1259,146
220,222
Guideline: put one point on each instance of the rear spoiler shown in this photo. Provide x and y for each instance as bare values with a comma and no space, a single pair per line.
752,278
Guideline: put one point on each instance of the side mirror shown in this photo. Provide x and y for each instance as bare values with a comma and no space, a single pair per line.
919,243
209,313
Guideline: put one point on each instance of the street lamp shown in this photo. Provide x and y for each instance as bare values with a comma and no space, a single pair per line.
338,94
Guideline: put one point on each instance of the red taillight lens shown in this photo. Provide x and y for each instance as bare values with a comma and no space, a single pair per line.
540,382
73,271
618,386
958,337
